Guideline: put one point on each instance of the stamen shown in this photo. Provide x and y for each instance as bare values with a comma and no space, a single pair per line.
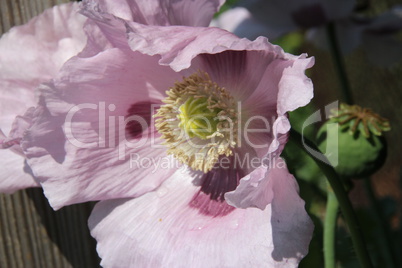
198,121
357,118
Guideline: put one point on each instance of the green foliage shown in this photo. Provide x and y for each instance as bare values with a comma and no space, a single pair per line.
290,42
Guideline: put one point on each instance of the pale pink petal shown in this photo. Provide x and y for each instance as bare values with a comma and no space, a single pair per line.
15,174
31,54
257,188
17,132
165,229
103,30
262,81
283,86
162,12
80,148
295,88
254,190
179,45
280,131
236,64
14,100
107,28
242,73
41,46
290,221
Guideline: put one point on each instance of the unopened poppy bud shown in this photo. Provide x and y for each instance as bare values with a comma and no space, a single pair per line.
361,148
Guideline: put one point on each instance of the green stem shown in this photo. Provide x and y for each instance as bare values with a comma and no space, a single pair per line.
331,216
339,64
384,237
344,202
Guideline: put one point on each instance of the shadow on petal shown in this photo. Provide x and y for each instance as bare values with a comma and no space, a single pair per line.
291,226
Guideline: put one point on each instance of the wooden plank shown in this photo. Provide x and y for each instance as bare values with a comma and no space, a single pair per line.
31,233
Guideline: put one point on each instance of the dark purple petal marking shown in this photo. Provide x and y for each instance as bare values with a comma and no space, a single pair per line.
224,177
144,110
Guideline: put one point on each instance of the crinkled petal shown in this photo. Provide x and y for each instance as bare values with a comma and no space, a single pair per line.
254,190
15,174
18,131
280,130
179,45
285,79
267,80
267,85
103,29
107,29
163,229
31,54
82,147
243,73
162,12
295,88
290,221
257,188
41,47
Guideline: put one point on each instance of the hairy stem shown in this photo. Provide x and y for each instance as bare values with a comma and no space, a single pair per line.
344,202
331,216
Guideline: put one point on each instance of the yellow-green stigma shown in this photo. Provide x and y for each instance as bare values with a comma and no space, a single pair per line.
198,121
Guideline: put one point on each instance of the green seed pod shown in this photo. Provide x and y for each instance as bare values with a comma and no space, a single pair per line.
361,148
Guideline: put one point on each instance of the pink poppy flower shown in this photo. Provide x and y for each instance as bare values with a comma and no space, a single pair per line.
155,129
29,55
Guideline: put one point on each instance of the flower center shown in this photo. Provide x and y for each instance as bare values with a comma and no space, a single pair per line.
197,118
198,121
